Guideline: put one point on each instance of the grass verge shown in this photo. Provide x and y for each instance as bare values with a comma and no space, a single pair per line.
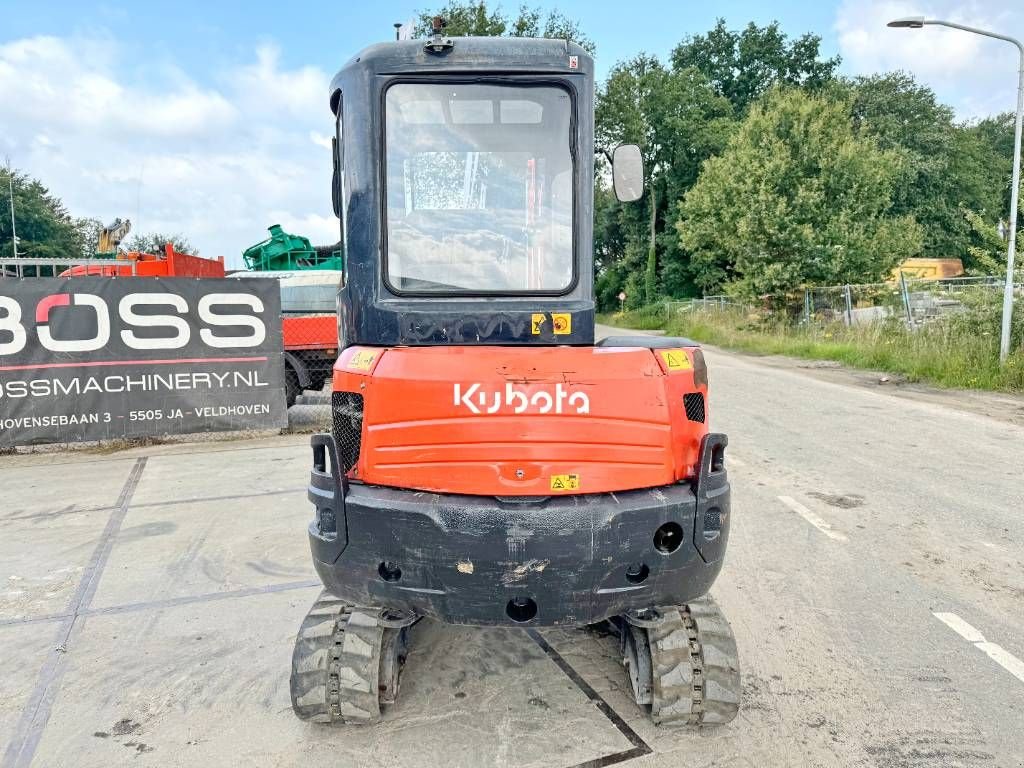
962,353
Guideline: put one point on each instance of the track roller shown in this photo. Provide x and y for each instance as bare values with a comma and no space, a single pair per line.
682,663
347,661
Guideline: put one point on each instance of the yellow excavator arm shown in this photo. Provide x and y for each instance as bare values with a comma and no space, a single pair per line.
112,235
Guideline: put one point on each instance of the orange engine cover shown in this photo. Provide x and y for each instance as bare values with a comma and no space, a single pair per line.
524,421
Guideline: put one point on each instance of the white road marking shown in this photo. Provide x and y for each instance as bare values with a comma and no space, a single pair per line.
961,627
730,459
812,518
996,652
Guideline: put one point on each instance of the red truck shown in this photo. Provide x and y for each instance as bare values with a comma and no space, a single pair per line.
308,319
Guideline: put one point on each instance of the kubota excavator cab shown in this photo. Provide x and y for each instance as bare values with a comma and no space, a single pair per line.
489,463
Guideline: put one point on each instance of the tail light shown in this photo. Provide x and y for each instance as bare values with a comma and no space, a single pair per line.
700,369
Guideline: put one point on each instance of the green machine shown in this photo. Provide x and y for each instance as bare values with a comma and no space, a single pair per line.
285,252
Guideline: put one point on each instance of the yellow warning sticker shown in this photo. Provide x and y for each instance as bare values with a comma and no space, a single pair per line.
676,360
565,482
362,360
562,322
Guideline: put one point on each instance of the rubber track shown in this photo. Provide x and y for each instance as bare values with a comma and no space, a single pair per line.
336,663
696,673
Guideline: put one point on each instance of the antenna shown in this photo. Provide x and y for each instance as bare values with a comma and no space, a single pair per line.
138,189
398,30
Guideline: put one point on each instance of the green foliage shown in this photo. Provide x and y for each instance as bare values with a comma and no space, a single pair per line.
679,122
947,166
476,19
988,256
45,229
682,115
649,317
88,235
796,198
982,318
154,242
995,135
743,65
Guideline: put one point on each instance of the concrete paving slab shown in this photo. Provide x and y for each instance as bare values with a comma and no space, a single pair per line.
48,537
33,489
226,472
185,686
24,648
194,548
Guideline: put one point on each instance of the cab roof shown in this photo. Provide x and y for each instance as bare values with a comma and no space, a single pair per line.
470,55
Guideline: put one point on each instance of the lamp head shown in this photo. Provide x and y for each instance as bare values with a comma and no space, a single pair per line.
907,22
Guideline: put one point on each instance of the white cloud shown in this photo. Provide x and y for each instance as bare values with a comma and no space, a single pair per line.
974,74
264,84
114,135
319,229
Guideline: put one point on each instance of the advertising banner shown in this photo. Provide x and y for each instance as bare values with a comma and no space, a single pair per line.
95,358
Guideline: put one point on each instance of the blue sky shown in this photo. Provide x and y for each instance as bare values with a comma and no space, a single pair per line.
210,118
204,35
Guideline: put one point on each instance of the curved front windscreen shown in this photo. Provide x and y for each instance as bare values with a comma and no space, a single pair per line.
479,188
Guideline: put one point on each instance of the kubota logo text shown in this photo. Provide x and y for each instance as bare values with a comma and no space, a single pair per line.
480,400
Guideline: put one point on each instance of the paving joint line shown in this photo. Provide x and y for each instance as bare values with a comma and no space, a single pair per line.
173,602
226,497
639,748
170,602
92,458
149,504
36,713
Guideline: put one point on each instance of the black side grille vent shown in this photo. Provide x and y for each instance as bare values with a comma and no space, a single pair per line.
347,409
694,404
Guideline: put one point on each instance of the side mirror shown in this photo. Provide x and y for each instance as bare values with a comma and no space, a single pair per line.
628,173
336,179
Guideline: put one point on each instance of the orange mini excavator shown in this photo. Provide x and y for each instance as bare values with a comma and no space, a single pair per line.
489,464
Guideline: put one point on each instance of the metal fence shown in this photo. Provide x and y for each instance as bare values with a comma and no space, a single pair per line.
718,303
914,301
27,266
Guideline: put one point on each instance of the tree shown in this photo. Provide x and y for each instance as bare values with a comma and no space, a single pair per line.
797,198
88,235
988,253
475,19
154,242
995,134
947,167
45,229
743,65
625,112
678,122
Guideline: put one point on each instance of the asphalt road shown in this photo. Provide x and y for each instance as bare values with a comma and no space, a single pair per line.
859,518
875,582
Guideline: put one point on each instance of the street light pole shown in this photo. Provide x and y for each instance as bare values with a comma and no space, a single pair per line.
916,22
